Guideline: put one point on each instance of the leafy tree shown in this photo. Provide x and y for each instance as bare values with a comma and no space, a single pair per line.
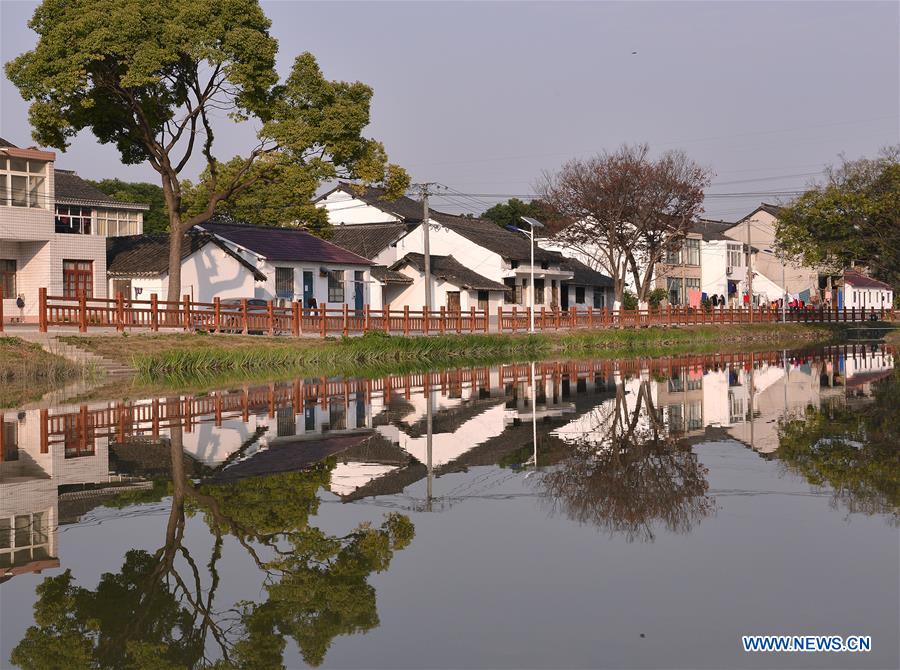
155,219
853,217
149,77
629,300
656,296
510,213
627,210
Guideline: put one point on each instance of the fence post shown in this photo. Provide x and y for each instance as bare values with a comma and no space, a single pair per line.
346,321
323,319
471,319
245,326
853,314
82,311
154,312
406,319
543,316
442,324
186,310
366,317
120,311
487,320
270,317
217,314
42,310
295,321
500,319
386,317
591,317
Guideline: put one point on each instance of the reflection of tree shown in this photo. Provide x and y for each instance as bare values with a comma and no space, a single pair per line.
854,451
159,610
626,474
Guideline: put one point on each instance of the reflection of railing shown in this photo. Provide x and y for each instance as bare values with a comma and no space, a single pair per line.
79,429
293,319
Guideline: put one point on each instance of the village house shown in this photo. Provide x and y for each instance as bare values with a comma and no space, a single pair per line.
385,231
859,291
54,227
297,265
138,266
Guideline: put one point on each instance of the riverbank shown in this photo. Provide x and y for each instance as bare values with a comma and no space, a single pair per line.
200,355
28,372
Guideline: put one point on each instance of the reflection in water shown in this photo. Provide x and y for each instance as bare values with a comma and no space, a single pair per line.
612,444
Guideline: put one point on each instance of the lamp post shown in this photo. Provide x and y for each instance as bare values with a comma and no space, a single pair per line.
533,224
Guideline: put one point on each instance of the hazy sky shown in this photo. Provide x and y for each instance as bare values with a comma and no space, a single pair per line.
484,96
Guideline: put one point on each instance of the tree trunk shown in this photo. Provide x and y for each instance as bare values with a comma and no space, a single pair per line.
175,241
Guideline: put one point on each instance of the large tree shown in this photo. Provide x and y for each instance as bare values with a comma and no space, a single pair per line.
510,213
627,210
158,79
854,217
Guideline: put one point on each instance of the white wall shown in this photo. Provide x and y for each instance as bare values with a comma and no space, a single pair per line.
344,208
414,294
867,298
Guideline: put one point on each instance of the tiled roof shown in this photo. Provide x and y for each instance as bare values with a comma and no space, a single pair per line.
774,210
72,188
7,144
711,230
404,207
582,275
368,239
487,234
284,244
862,281
452,271
148,255
387,276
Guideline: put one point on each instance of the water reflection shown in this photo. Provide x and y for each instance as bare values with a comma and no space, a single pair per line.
610,444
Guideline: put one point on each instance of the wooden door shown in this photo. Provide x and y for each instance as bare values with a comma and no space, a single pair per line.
453,304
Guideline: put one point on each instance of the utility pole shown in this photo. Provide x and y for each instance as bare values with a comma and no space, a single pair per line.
426,242
749,275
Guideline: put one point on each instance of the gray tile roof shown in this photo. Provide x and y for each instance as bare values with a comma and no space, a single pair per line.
70,188
387,276
368,239
582,275
711,230
406,208
283,244
487,234
452,271
148,255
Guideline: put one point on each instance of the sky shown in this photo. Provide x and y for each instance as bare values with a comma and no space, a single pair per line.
485,97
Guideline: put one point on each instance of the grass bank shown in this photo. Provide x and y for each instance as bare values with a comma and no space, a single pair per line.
200,355
28,372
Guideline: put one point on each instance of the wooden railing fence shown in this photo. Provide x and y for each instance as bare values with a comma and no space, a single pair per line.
296,320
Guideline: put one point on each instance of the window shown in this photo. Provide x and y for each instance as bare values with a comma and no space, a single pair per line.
692,252
514,264
579,295
735,255
23,183
735,409
73,220
692,283
538,291
10,441
336,286
284,283
598,298
676,290
8,277
78,276
673,256
118,222
513,293
545,265
483,298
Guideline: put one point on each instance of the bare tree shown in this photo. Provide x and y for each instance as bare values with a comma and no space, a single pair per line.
627,210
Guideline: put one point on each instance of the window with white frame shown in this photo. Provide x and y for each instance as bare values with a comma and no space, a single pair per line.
692,252
735,255
73,219
118,222
336,286
23,183
673,256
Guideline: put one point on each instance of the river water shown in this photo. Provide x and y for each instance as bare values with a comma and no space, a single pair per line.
564,514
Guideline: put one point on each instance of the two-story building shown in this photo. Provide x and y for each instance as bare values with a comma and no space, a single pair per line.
53,229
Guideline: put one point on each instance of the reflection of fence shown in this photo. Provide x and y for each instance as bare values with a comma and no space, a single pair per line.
272,319
77,430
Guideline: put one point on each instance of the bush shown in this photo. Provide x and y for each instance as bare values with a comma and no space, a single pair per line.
629,300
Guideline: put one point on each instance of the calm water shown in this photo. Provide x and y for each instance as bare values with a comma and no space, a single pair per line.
666,508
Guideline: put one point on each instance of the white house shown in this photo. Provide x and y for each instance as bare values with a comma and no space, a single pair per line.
386,230
138,266
54,228
297,265
862,292
453,284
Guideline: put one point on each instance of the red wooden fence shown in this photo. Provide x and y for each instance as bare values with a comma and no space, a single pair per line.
295,320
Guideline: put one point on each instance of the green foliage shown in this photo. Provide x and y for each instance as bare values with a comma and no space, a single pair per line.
510,213
155,219
629,300
852,450
656,296
855,216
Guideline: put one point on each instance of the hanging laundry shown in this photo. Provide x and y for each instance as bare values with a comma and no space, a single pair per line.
694,297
